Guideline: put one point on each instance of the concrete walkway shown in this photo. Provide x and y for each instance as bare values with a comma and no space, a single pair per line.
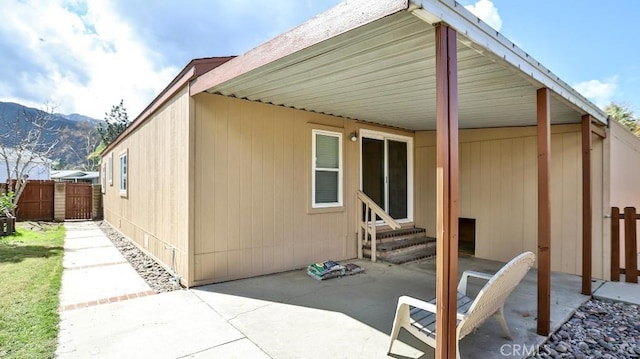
108,311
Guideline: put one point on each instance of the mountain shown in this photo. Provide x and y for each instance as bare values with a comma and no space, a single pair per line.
78,117
74,136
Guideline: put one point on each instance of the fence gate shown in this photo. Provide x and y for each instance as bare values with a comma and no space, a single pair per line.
78,201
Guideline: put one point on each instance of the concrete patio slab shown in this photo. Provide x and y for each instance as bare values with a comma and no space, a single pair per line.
352,316
619,292
239,349
168,325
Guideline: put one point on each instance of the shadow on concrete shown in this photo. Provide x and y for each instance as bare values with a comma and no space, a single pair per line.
371,298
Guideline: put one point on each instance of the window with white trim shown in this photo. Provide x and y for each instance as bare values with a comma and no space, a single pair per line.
103,177
110,169
123,174
326,188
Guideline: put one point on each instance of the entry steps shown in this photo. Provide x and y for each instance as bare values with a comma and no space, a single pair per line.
402,245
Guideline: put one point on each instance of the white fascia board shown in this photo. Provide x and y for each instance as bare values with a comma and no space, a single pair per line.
483,35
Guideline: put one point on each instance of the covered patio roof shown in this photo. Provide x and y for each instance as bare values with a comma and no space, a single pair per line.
375,62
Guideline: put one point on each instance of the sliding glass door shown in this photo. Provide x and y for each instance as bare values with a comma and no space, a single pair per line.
386,172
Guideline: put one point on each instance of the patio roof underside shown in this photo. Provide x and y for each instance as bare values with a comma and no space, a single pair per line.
384,72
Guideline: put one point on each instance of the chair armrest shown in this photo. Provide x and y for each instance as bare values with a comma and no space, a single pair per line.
429,307
417,303
462,285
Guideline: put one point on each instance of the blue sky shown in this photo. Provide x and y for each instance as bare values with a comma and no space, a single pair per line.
85,55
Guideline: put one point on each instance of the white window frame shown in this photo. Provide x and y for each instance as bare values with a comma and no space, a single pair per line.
110,168
103,177
124,175
340,169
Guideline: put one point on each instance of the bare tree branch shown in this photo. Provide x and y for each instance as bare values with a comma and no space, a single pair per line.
23,146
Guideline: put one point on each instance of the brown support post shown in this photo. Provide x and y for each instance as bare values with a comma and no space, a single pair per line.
586,205
544,212
630,247
447,191
615,244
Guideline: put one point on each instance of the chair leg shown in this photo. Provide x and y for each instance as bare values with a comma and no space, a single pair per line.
503,323
402,314
458,349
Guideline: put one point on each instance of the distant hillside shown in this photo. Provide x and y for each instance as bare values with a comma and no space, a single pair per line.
76,135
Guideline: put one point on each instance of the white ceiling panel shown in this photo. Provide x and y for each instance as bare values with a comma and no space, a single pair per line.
384,72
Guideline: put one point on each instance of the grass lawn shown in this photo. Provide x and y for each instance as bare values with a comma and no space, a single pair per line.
30,275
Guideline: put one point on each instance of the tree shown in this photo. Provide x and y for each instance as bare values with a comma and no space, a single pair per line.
623,114
23,145
116,122
79,143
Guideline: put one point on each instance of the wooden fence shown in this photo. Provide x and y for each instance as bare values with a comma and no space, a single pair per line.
630,244
50,200
36,201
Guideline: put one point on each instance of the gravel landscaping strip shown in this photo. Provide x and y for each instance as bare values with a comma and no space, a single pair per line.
158,278
598,329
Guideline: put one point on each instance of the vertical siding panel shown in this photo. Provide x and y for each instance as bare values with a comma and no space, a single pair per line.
530,194
278,186
465,178
288,185
256,186
234,218
601,249
475,180
571,211
246,179
556,200
220,184
484,240
256,176
518,196
419,185
495,202
505,221
206,165
302,223
268,174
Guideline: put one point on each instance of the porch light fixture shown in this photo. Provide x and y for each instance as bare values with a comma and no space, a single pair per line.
354,136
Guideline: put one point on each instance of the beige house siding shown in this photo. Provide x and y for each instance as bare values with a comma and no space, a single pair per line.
498,187
625,172
252,185
154,214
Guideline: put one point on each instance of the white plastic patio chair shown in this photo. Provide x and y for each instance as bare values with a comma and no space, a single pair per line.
418,317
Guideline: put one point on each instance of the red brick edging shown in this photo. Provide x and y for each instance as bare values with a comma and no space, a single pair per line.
96,265
92,303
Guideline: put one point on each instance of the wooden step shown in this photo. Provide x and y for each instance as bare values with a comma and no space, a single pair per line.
411,256
403,243
397,234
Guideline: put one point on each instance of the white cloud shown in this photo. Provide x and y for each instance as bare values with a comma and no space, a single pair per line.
487,12
82,57
600,92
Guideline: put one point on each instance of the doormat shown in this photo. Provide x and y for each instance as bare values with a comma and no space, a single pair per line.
332,269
